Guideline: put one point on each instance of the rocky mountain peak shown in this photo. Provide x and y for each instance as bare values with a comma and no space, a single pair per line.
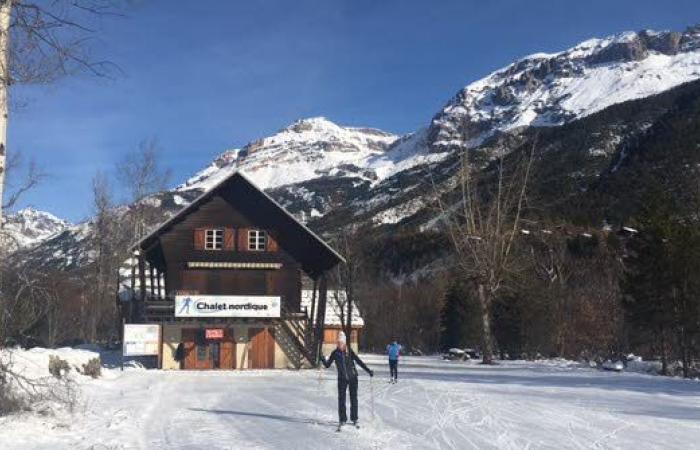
548,89
307,149
313,124
28,227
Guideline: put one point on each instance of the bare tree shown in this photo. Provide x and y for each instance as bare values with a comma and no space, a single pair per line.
33,175
483,225
107,248
140,171
42,41
141,174
348,276
23,307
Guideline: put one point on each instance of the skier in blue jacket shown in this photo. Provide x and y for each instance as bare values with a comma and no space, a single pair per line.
394,350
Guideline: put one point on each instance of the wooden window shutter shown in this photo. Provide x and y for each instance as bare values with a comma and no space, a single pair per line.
199,234
242,239
271,243
229,243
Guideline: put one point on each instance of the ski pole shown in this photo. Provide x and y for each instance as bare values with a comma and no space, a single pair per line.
371,396
319,391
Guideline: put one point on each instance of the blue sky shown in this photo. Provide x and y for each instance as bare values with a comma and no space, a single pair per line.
205,76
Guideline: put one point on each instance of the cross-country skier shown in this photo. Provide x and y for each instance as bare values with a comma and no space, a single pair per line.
394,350
345,360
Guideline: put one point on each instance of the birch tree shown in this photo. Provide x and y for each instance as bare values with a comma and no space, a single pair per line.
41,41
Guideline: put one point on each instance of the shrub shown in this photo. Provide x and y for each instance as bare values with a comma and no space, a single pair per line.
93,368
10,402
58,367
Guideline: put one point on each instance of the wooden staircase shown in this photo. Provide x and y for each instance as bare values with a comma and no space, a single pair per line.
295,335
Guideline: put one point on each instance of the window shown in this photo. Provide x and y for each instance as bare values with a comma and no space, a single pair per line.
202,352
257,240
214,239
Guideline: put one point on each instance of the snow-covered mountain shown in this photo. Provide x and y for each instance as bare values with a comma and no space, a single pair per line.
29,227
553,89
315,148
331,175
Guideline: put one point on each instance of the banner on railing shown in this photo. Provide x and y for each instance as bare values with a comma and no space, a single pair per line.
227,306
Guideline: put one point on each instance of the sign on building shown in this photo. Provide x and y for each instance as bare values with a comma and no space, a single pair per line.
227,306
214,333
141,339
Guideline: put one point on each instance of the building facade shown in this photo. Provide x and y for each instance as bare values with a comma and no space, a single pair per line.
223,278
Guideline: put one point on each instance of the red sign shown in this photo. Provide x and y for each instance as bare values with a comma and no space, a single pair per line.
214,333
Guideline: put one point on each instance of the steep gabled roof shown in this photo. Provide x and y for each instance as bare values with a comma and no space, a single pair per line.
314,254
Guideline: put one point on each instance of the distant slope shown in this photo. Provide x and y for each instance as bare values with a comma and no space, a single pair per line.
29,227
553,89
592,109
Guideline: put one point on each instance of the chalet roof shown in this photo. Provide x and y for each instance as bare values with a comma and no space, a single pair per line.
312,252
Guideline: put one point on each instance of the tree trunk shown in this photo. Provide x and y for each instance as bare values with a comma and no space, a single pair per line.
487,340
664,357
684,352
5,12
348,326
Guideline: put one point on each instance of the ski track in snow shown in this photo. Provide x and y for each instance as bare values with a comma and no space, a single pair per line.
435,405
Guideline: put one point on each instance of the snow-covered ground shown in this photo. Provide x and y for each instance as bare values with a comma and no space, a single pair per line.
436,404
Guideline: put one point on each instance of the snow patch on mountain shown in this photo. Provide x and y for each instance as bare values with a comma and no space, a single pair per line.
307,149
28,227
549,89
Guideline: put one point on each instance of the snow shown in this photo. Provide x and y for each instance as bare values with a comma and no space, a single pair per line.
314,148
28,227
178,200
574,86
337,300
607,85
34,363
307,149
436,404
409,152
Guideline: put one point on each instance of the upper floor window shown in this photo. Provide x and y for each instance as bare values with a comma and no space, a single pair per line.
257,240
214,239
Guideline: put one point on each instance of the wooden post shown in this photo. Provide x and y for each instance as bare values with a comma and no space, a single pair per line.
151,274
123,326
313,306
142,282
160,348
160,292
321,316
132,297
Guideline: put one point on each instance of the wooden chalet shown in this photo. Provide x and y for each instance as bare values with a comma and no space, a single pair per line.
223,277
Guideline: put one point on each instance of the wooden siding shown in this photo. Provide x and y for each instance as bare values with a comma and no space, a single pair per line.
261,354
330,335
181,244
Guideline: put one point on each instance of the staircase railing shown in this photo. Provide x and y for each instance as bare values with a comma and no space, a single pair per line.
297,326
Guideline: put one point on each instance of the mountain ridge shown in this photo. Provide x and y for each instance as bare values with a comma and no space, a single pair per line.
330,175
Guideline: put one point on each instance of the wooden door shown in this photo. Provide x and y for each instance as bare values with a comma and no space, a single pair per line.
197,357
261,352
228,350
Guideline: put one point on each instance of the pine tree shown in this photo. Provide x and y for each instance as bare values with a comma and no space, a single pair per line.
648,281
459,319
662,284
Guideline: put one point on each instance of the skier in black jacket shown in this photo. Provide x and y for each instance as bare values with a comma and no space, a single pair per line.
345,360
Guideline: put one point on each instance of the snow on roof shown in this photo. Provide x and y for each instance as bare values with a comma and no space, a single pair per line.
337,299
